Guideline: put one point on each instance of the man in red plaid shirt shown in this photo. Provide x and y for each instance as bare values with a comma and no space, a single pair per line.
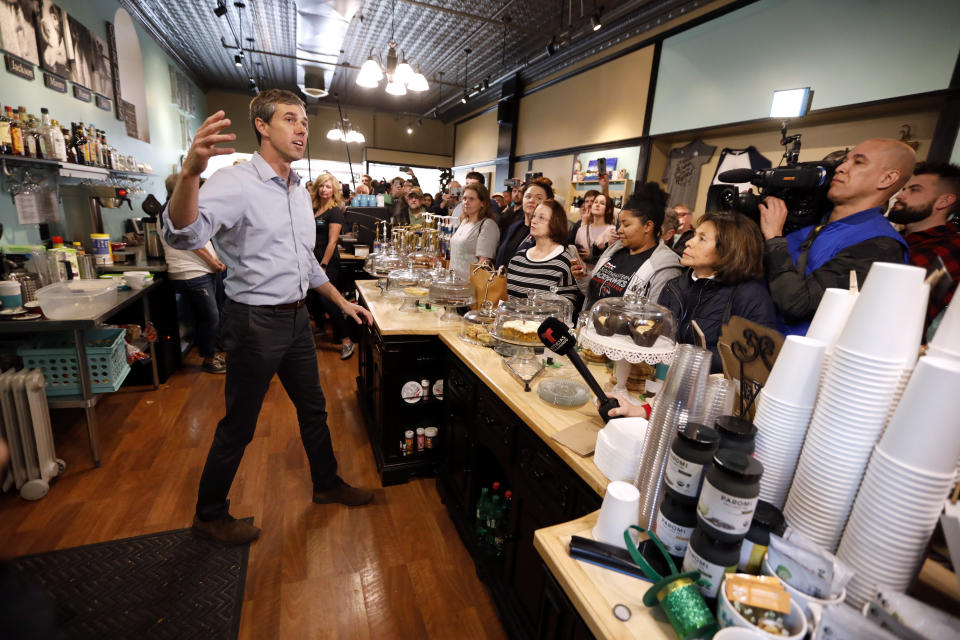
924,206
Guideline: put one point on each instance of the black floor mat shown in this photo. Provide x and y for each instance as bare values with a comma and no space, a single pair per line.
169,585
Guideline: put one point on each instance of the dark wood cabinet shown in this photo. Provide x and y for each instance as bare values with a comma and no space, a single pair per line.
559,619
391,369
485,441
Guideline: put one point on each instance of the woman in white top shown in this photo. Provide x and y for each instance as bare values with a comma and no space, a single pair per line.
478,235
594,235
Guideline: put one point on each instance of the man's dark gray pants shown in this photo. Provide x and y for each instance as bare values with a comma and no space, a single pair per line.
261,342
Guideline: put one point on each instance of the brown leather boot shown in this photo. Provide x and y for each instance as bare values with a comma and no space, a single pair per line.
344,494
227,530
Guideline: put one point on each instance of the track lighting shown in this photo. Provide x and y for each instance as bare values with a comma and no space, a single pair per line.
221,9
253,90
464,97
595,21
238,59
409,130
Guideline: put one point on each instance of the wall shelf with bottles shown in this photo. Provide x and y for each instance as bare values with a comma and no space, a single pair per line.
69,169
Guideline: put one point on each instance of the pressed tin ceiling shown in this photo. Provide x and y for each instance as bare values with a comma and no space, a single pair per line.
505,37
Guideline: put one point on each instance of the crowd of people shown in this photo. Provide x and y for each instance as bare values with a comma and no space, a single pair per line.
706,269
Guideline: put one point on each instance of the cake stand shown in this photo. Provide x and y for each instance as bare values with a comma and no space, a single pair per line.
622,350
450,306
524,364
411,300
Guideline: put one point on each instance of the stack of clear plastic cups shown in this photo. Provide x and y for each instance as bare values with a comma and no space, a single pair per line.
680,401
719,398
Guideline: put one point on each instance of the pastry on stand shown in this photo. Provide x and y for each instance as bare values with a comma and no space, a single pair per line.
628,331
517,321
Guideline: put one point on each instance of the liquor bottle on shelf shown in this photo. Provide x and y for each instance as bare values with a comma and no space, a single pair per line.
78,141
16,133
38,146
68,145
56,145
500,526
6,145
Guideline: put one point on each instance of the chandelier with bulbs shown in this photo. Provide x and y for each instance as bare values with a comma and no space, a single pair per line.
344,132
399,74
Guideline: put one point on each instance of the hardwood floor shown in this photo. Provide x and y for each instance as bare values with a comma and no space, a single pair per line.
393,569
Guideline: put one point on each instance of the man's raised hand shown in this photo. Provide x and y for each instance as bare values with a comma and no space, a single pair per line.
204,143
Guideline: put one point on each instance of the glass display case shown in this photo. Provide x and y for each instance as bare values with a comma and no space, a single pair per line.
451,291
476,325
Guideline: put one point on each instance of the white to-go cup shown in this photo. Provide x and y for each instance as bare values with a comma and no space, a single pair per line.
620,509
796,373
946,341
887,318
924,429
831,315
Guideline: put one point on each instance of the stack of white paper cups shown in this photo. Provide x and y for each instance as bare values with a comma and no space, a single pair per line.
911,473
783,413
867,370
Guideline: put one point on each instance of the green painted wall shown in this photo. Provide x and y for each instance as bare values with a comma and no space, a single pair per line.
162,152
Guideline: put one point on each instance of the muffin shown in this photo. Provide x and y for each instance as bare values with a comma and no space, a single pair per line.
645,332
611,323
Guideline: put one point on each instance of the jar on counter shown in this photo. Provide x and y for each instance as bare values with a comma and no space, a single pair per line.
408,442
429,437
767,519
736,433
690,456
730,493
676,520
713,558
421,437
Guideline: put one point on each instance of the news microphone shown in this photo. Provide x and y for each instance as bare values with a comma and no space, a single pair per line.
800,177
556,336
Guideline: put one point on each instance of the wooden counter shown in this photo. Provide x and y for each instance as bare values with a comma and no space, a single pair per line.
594,590
544,419
392,322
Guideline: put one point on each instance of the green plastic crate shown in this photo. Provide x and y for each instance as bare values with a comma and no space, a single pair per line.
56,354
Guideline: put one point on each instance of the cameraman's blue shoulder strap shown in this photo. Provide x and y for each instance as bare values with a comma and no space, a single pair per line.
815,246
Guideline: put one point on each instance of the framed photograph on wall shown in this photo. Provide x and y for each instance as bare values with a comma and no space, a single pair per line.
18,34
51,39
102,70
80,53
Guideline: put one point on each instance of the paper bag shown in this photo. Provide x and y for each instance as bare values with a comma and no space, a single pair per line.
488,284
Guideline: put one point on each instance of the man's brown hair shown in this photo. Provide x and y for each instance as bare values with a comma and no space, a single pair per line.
265,104
739,246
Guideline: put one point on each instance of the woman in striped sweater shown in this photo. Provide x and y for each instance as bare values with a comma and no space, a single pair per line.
546,264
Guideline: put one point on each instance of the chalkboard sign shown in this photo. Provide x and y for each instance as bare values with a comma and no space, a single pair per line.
55,82
18,67
84,95
130,118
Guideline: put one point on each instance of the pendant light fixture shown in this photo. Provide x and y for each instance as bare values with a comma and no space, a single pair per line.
399,73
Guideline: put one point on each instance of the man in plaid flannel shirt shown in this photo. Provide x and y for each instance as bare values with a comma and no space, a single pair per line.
925,207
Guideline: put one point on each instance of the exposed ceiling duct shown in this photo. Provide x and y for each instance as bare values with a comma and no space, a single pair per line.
321,28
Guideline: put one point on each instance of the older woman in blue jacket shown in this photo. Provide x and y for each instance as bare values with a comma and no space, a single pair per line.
724,278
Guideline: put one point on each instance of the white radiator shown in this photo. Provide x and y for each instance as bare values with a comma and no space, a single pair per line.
26,428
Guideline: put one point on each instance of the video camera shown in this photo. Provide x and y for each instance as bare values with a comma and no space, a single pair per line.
802,186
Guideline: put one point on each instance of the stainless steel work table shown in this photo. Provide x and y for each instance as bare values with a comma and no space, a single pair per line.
86,400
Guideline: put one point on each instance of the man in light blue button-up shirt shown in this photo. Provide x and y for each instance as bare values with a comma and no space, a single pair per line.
263,222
